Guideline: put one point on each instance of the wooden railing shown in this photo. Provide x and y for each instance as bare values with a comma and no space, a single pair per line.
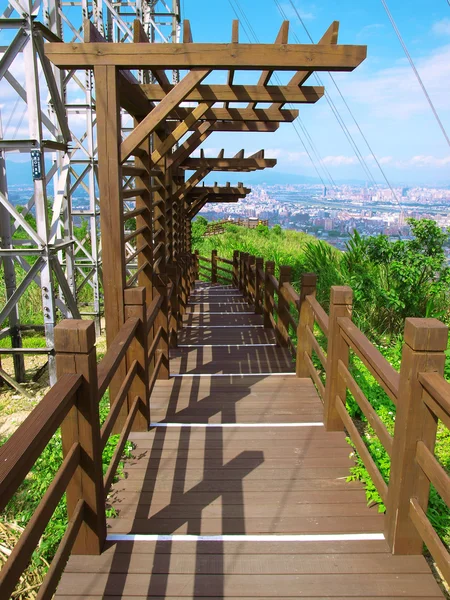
219,226
141,346
419,391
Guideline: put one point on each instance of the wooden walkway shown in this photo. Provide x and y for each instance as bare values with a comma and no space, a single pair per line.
238,460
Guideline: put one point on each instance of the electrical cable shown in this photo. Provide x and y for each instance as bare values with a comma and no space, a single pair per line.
298,119
333,107
244,20
416,73
346,104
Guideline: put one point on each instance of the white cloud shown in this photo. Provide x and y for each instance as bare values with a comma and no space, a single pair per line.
429,161
442,27
340,161
306,14
395,93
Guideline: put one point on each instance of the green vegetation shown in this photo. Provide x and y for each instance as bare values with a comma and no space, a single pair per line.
390,281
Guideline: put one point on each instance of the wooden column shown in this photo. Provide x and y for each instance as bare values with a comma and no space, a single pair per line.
111,206
340,306
308,285
425,342
172,273
160,281
236,269
245,256
259,283
268,294
196,266
75,353
251,278
213,266
136,306
241,272
145,239
282,331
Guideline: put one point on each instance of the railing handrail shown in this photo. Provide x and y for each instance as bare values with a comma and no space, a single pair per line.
107,366
377,364
416,466
20,452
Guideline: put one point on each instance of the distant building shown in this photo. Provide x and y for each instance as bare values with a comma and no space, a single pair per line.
328,224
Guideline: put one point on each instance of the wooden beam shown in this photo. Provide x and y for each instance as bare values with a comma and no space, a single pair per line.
133,101
330,37
242,93
179,132
263,127
243,114
202,132
282,38
160,112
229,164
254,57
218,190
140,37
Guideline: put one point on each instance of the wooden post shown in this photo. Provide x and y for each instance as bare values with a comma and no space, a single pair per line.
268,294
213,266
282,331
241,272
75,353
308,284
172,272
259,282
196,266
251,279
341,300
425,341
245,256
111,206
236,269
136,306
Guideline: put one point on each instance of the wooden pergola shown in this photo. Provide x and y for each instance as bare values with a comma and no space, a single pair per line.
147,168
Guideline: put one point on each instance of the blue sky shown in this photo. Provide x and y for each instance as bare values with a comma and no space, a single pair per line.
383,92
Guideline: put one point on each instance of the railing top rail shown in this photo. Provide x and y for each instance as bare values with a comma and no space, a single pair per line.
380,368
291,294
439,390
274,281
115,353
20,452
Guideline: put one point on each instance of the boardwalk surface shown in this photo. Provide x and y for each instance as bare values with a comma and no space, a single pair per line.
238,454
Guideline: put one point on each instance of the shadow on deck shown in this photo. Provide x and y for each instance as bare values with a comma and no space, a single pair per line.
238,490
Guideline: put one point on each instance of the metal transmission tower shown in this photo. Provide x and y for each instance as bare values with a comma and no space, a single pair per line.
56,110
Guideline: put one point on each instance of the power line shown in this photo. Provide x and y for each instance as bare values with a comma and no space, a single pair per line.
416,73
346,104
303,127
330,101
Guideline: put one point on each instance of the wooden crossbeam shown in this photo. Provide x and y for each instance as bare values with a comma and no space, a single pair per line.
282,38
289,57
140,37
218,191
243,114
330,37
234,40
190,184
245,126
229,164
179,132
201,133
161,111
242,93
133,101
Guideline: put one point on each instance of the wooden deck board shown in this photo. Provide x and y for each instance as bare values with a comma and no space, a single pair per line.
240,454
